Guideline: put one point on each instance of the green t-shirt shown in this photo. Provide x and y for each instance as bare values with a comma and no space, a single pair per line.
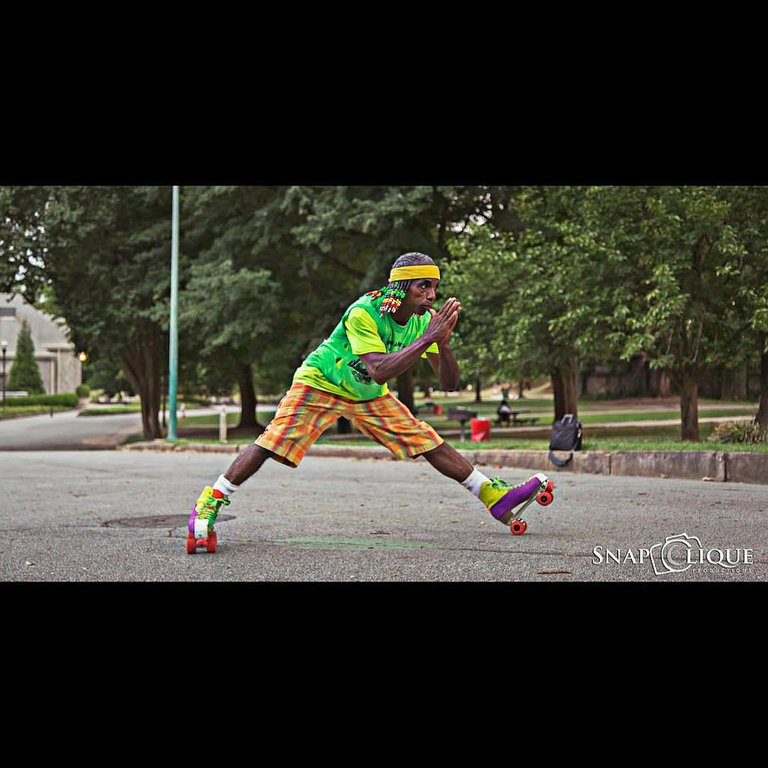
335,365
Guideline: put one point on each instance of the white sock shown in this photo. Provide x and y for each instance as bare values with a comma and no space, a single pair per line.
475,482
223,485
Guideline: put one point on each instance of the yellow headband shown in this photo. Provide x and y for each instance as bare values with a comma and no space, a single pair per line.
413,273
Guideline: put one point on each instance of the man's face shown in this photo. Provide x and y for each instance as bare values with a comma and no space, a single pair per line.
421,295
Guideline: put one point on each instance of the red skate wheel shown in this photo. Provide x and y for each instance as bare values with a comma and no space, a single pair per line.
545,498
191,544
518,527
212,541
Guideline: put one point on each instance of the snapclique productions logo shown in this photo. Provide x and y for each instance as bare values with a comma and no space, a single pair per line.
675,554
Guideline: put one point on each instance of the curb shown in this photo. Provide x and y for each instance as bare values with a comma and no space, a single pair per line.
715,466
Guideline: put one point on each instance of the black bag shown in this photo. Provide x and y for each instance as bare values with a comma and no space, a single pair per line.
566,436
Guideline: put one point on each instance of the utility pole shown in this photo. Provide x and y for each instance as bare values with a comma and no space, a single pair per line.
173,352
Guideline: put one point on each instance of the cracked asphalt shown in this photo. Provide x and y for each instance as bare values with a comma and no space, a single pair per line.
119,516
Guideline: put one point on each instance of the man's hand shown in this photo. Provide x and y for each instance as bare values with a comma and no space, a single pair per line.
443,322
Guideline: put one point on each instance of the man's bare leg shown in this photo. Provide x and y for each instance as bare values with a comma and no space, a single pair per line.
247,463
449,462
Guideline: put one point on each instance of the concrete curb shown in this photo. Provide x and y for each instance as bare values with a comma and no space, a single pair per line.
716,466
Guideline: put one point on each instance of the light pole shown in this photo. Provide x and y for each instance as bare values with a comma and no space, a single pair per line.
173,347
4,345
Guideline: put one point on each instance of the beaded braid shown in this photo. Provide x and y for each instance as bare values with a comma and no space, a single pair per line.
393,296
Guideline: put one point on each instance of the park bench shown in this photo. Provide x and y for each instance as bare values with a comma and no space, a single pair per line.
462,415
514,418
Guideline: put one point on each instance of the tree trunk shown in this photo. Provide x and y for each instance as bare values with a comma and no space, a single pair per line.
762,408
689,408
405,389
248,398
557,391
564,387
478,387
140,361
163,394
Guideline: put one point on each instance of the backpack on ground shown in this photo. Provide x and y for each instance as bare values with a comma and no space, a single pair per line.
566,436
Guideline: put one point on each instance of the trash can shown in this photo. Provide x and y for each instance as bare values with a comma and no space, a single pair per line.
438,409
481,430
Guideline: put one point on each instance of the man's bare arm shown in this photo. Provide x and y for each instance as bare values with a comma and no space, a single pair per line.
445,367
384,366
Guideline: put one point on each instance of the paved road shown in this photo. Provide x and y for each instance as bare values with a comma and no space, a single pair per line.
120,516
67,430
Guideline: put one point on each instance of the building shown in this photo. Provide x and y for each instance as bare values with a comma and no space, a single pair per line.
60,368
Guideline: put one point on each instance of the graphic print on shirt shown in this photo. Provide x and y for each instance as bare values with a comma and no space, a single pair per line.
335,365
359,371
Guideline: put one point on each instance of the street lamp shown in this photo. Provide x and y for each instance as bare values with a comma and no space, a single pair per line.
4,345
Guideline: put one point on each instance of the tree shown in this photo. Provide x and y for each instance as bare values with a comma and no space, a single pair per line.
108,263
306,253
241,305
22,248
540,291
244,298
749,216
25,372
687,314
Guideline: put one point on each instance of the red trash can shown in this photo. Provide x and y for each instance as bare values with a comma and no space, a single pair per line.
438,409
481,430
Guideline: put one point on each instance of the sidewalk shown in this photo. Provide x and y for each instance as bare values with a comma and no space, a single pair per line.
715,466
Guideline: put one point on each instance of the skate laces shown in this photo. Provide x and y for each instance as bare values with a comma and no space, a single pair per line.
502,485
499,485
210,507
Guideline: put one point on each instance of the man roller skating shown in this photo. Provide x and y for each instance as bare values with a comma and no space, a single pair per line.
379,337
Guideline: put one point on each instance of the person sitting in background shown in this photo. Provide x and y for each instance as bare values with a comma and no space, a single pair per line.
503,412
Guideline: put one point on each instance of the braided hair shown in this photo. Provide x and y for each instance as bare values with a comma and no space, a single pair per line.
394,292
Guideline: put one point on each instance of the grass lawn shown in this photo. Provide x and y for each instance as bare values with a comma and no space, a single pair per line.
111,410
204,428
30,410
614,439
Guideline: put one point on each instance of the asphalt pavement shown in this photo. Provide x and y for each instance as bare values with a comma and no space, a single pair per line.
120,516
66,431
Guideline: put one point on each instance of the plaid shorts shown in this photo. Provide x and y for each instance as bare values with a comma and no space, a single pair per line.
305,413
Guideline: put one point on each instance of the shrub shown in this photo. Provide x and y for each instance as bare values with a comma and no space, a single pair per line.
739,432
83,390
25,372
67,399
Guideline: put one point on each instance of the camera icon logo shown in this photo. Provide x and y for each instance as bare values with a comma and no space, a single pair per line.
674,554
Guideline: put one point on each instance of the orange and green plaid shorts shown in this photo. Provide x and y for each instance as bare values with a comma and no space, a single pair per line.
305,413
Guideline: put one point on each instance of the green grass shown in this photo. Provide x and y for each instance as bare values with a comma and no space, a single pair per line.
111,410
651,442
604,418
588,414
31,410
540,408
605,446
597,437
545,420
233,419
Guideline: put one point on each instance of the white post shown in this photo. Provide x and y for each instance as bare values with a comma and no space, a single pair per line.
223,424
